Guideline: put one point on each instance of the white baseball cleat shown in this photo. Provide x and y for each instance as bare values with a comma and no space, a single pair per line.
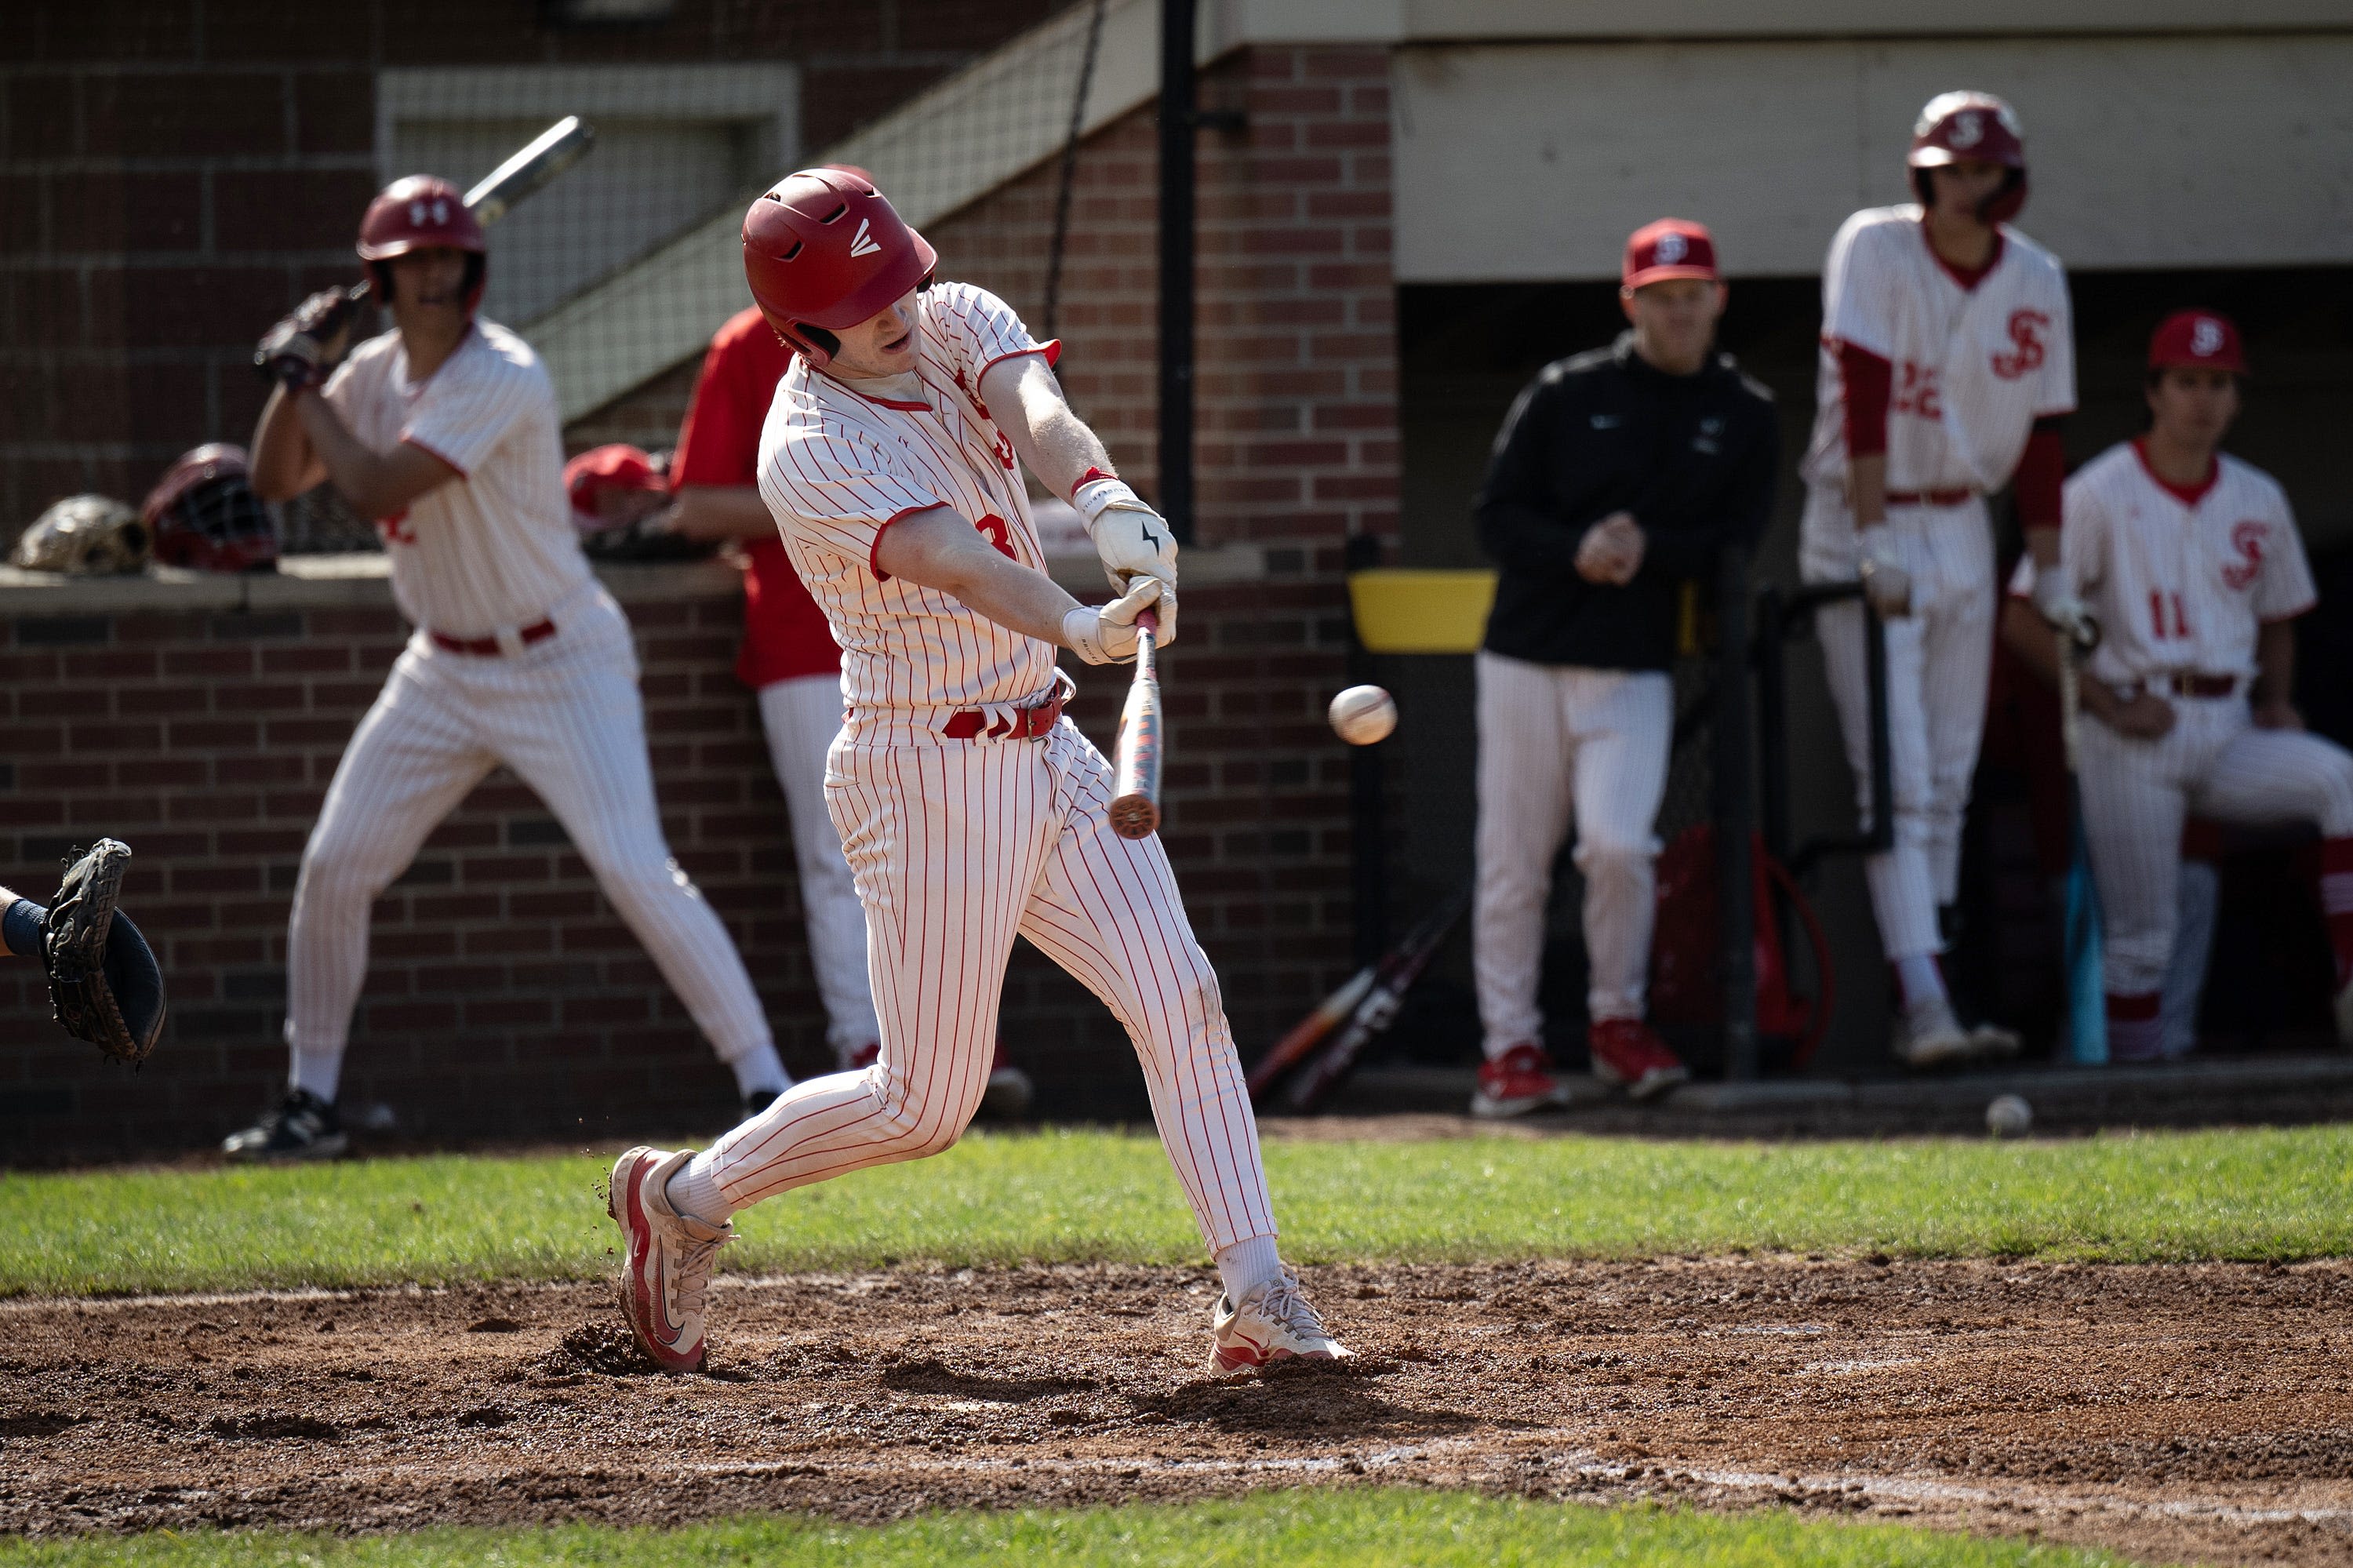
1993,1042
1272,1323
1928,1035
666,1258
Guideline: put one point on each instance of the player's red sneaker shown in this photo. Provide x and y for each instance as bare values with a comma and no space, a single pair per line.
666,1258
1515,1083
1628,1051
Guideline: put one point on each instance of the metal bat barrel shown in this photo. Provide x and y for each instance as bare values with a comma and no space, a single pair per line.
1135,802
548,154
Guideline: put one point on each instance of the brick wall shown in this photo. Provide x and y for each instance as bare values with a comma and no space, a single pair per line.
175,174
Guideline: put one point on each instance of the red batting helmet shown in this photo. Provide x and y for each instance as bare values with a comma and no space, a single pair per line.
2204,338
825,251
418,212
1972,126
205,514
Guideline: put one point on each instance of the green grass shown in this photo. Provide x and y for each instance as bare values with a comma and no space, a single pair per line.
2274,1194
1294,1529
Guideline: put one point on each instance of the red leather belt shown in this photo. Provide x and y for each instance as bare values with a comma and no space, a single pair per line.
488,647
1028,724
2190,684
1928,497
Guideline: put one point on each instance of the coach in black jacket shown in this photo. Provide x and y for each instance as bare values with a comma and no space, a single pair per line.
1618,474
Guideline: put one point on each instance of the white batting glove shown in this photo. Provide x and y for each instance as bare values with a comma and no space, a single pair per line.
2055,600
1105,634
1133,540
1885,582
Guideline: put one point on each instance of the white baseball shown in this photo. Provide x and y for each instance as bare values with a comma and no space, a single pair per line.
2008,1116
1362,715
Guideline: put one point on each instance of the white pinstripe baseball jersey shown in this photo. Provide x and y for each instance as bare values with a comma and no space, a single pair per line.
838,467
2178,583
495,550
1974,368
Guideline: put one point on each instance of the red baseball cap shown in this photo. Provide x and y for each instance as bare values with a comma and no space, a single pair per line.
1671,247
2207,338
618,466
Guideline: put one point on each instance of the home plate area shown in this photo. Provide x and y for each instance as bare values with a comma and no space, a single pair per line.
2171,1412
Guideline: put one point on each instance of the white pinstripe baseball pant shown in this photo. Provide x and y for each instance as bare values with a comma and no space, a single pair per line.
2215,762
565,714
1554,740
958,846
1939,659
801,717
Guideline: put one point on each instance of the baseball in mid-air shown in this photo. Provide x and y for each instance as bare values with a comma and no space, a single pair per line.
2008,1116
1362,715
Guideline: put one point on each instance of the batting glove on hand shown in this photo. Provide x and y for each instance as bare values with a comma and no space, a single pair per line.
1885,582
1133,540
1105,634
304,348
2055,601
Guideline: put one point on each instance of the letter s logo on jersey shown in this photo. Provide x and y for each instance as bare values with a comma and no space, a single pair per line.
2026,328
2247,538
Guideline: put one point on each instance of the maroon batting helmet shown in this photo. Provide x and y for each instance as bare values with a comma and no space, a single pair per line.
206,516
1966,126
825,251
418,212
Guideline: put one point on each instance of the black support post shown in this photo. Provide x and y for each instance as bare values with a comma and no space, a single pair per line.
1178,118
1736,816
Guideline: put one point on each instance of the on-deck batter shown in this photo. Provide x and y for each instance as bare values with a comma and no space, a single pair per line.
970,811
1948,357
1616,478
445,430
2193,568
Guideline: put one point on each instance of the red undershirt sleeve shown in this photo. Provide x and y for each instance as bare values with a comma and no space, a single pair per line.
2042,470
1870,382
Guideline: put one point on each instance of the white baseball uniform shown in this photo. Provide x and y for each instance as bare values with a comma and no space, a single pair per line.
490,559
1973,366
959,846
2181,581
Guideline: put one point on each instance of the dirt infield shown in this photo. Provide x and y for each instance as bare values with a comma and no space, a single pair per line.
2169,1411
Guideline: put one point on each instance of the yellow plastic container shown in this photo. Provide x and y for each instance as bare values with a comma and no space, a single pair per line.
1402,610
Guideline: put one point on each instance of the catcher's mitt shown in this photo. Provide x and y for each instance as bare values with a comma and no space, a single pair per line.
104,983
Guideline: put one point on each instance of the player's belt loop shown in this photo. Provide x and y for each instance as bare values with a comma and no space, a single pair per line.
1016,724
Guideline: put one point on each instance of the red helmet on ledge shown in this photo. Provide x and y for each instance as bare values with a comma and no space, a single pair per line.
825,251
1970,126
419,212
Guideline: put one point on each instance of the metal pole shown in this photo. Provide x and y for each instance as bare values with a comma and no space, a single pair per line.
1772,723
1177,120
1736,817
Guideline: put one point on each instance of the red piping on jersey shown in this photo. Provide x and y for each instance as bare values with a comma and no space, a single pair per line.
1870,384
2188,494
2041,475
455,468
873,554
1969,278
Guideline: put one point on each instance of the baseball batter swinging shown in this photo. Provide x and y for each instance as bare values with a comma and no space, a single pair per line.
1947,360
2194,571
445,430
971,811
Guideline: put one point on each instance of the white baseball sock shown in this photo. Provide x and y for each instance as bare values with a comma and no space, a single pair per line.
1247,1264
1920,979
319,1072
761,1071
693,1191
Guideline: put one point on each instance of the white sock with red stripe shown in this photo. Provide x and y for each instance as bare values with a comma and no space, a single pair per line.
1247,1264
2337,901
2136,1032
1918,979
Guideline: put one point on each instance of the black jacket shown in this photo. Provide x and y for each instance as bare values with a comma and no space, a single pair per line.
1694,458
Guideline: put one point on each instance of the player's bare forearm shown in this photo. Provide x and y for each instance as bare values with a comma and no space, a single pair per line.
721,511
939,549
377,485
1030,409
1866,479
2275,693
2026,634
2042,544
283,464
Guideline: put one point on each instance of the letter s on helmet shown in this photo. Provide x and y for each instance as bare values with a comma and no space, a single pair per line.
418,212
825,251
1976,126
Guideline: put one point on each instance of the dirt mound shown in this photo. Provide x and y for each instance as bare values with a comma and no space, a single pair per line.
2199,1412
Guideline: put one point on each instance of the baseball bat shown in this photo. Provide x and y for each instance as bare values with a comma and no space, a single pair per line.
2086,1004
1135,800
1344,1003
1380,1007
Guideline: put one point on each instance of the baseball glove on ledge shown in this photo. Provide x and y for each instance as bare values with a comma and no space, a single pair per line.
104,984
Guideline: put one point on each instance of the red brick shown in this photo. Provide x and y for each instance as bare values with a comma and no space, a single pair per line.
187,116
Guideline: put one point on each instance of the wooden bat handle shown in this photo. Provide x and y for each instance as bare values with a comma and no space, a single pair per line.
1136,783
